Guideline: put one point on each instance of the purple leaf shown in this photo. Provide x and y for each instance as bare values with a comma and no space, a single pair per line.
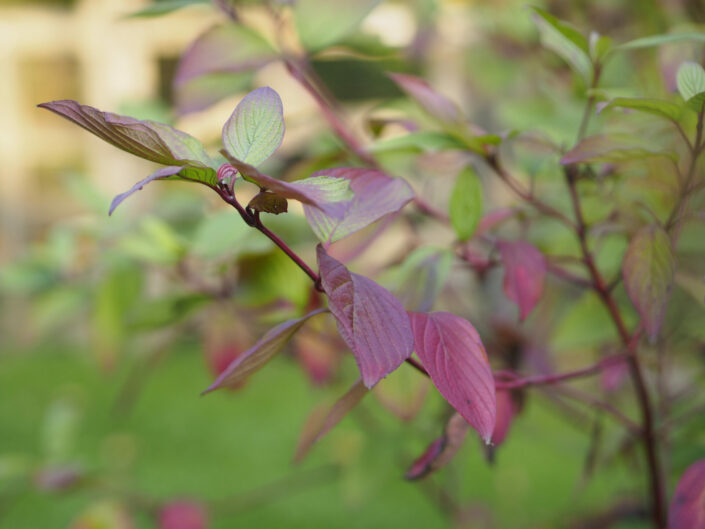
319,424
649,270
452,353
441,451
506,410
259,354
256,127
329,194
524,274
199,93
370,319
688,504
152,141
231,48
164,172
374,195
437,105
183,515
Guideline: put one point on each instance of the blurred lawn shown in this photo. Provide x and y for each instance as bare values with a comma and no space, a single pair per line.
175,444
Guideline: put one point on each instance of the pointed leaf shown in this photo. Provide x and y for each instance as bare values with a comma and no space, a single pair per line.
259,354
600,46
691,84
658,40
524,274
421,277
230,48
609,148
326,193
657,107
370,319
441,451
256,127
648,270
688,504
374,195
565,40
436,104
321,23
152,141
452,353
465,206
319,425
164,172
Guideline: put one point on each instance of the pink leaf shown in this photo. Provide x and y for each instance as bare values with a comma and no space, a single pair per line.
688,504
436,104
375,195
506,410
320,422
649,270
370,319
493,219
452,353
183,515
524,274
259,354
441,451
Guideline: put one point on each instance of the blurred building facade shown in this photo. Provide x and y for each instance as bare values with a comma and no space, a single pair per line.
85,50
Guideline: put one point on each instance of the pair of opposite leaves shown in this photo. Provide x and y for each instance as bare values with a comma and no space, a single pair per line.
381,334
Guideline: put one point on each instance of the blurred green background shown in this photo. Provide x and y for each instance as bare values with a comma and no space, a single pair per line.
111,327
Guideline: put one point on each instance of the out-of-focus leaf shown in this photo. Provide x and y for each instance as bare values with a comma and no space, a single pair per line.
199,93
692,285
167,310
103,515
154,242
226,49
370,319
375,195
436,104
465,207
259,354
256,127
422,141
441,451
566,41
658,40
403,393
609,148
183,515
226,235
160,174
59,430
421,277
524,274
319,350
691,84
493,219
506,410
452,353
600,46
664,109
319,424
648,271
267,202
164,7
321,23
688,506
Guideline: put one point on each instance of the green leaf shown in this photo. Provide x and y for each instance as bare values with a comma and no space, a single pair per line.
648,271
566,41
658,40
465,205
163,7
600,46
424,141
610,148
321,23
664,109
256,127
691,84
